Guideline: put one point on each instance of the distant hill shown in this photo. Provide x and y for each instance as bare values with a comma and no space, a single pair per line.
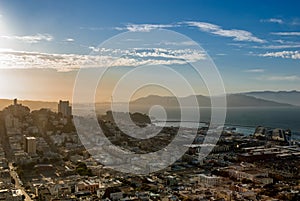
233,100
136,117
288,97
251,99
33,105
240,100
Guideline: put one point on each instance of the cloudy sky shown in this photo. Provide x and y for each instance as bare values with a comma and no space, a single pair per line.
254,44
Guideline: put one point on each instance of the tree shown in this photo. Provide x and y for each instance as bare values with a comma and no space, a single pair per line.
83,170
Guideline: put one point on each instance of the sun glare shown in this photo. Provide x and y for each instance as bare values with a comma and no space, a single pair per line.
3,85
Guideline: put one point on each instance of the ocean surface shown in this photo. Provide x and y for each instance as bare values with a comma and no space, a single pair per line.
245,119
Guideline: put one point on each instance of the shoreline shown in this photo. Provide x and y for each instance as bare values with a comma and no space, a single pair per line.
239,128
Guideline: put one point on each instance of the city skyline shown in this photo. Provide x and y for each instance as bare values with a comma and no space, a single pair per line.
149,100
42,46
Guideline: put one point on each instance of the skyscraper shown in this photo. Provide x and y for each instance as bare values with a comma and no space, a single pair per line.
64,108
30,145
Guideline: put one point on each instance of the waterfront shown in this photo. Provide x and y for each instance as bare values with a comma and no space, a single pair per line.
246,119
45,158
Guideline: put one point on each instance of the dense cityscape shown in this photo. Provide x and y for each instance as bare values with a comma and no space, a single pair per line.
173,100
42,158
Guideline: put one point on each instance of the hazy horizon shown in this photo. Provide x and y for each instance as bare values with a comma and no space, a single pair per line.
136,98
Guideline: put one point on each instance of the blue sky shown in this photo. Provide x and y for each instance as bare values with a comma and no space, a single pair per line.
254,44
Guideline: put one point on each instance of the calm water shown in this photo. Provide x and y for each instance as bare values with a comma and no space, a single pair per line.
246,119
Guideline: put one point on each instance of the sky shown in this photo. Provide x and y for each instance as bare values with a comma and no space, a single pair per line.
255,45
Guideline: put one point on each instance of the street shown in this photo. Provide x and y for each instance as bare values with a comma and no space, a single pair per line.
18,182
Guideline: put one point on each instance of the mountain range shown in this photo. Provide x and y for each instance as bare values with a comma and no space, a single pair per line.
248,99
233,100
288,97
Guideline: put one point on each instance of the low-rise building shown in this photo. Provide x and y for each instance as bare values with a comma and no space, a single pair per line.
209,180
87,185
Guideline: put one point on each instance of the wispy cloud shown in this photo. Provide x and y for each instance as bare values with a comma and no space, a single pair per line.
69,40
295,22
186,54
281,78
282,54
287,46
273,20
236,34
221,54
178,43
286,33
255,70
279,44
101,58
239,45
30,38
144,27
